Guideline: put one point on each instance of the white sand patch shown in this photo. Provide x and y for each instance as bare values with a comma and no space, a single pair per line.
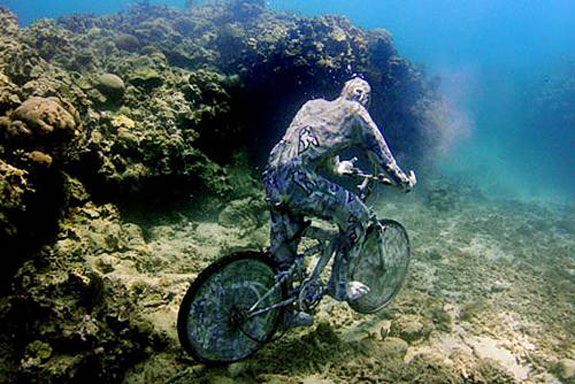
441,344
488,348
424,273
485,247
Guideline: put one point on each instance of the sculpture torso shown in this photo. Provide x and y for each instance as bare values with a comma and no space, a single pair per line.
320,131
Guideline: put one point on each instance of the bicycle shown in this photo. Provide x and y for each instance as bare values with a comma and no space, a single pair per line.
234,306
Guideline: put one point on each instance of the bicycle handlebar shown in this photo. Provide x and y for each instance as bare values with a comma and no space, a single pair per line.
367,179
366,176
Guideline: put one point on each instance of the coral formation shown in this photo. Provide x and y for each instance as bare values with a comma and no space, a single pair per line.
14,186
111,86
8,22
9,97
40,118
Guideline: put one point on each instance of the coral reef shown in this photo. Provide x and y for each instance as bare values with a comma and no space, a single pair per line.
8,22
74,323
14,185
9,97
154,102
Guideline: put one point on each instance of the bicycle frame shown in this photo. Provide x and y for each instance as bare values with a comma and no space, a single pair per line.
298,269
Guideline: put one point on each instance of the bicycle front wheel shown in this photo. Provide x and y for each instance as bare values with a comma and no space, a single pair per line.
382,265
208,325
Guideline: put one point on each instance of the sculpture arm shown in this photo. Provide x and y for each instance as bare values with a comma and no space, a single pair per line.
331,164
377,150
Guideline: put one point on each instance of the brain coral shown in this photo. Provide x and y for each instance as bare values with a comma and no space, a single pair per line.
43,117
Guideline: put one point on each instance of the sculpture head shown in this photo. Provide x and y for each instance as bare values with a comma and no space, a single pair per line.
358,90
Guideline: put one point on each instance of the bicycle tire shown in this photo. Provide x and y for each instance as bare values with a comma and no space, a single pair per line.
236,281
382,265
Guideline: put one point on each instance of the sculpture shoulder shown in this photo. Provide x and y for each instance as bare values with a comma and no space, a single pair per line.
316,104
341,105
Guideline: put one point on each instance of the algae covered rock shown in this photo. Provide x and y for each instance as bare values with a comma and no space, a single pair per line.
127,42
566,369
14,187
393,348
8,22
146,77
112,86
248,213
36,353
40,159
409,328
9,94
90,327
20,62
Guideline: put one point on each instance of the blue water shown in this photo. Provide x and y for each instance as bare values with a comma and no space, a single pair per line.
497,60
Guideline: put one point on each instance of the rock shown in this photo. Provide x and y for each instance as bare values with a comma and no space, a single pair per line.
434,254
122,121
442,319
20,62
14,188
381,44
40,117
9,98
146,77
127,42
40,159
76,193
246,214
112,86
487,348
315,379
8,22
408,328
220,379
106,264
544,378
393,348
36,353
500,286
237,369
385,329
566,369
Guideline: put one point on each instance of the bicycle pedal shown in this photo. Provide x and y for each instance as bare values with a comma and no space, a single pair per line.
296,319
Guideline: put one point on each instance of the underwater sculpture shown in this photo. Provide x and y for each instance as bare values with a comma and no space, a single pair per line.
235,305
157,140
321,131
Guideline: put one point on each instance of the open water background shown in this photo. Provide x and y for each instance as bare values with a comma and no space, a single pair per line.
508,68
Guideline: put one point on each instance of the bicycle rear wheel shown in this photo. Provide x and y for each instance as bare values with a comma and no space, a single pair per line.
382,265
207,320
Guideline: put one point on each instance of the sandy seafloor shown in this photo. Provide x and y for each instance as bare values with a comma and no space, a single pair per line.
490,297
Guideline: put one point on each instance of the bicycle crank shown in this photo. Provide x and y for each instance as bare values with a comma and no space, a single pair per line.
310,295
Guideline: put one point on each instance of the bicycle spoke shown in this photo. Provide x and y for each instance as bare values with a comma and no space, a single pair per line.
268,293
212,322
284,303
382,265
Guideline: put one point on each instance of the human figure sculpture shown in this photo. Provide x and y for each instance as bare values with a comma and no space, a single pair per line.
319,133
